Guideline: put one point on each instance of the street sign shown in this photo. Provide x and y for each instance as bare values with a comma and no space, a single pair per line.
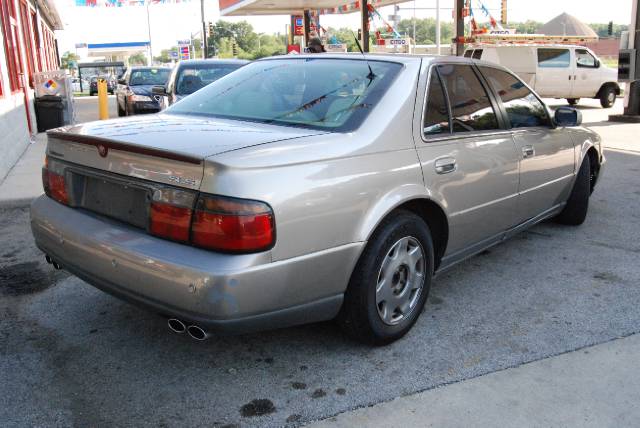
174,55
185,53
298,26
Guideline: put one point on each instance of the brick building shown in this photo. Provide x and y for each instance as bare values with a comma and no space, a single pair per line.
27,46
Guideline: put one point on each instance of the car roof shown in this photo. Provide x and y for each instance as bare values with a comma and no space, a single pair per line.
213,61
401,58
527,45
148,68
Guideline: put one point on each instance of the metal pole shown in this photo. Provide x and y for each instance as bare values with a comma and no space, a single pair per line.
365,25
632,103
149,29
414,23
438,35
205,43
459,24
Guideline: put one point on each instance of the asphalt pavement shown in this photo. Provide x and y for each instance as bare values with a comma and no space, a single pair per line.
71,355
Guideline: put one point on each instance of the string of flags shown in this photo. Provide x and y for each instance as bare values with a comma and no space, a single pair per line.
122,3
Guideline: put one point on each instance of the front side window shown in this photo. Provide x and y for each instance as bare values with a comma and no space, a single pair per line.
585,59
523,108
471,108
553,58
436,118
194,77
477,54
149,76
318,93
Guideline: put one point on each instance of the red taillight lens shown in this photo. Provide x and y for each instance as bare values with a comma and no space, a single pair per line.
232,225
54,184
171,211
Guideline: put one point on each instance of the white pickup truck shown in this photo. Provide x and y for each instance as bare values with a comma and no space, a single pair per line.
556,71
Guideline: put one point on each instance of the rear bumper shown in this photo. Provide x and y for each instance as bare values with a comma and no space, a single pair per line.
225,293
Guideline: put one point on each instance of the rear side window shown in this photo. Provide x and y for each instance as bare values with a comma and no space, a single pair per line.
553,58
523,108
436,118
477,54
468,53
471,109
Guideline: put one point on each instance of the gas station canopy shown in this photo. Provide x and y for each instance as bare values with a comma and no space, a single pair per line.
292,7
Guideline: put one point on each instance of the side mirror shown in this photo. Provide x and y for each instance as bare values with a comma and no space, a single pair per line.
597,63
567,116
159,90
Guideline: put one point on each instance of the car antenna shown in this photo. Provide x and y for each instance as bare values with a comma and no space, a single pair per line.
371,74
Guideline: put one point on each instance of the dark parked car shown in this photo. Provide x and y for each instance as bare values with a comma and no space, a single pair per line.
93,85
134,94
191,75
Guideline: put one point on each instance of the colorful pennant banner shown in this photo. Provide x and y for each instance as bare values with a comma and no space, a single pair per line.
121,3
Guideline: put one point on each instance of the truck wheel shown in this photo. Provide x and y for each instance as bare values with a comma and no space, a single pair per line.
391,281
608,96
573,101
575,212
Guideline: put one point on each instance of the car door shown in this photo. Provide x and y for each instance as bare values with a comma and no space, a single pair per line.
554,72
469,163
547,159
587,74
122,89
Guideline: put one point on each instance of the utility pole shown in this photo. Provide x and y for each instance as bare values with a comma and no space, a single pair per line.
438,24
204,32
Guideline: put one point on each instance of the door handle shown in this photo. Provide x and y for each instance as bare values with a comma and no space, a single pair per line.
528,151
445,165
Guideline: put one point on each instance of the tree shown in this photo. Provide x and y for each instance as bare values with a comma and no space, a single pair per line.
242,32
138,59
69,60
164,57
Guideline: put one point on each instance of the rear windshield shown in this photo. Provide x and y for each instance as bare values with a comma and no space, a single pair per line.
151,76
319,93
193,77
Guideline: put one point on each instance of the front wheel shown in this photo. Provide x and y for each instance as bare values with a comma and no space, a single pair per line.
573,101
391,281
608,97
575,211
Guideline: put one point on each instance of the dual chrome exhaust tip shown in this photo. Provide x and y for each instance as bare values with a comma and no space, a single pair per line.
52,262
179,327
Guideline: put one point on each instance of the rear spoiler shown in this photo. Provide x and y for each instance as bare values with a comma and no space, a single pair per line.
107,144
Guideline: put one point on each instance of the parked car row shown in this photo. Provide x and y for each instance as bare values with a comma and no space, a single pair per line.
151,89
307,188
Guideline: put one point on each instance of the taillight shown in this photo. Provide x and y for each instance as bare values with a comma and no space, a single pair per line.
170,215
232,225
54,183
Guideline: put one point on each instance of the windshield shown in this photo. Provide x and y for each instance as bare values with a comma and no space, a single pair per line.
151,76
319,93
194,77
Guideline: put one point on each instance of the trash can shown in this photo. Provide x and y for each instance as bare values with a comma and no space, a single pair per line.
50,111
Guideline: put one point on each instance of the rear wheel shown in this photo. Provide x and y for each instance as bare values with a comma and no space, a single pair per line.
608,96
391,281
121,111
575,212
573,101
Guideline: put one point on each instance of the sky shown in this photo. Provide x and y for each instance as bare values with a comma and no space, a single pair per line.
170,23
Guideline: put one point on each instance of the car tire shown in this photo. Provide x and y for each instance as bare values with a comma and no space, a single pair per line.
121,112
608,96
91,94
403,243
573,101
575,211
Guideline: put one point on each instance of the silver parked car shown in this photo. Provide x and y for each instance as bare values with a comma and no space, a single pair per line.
307,188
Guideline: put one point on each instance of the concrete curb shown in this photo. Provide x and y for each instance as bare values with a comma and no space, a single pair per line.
16,203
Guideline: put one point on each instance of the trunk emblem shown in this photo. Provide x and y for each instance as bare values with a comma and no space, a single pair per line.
102,151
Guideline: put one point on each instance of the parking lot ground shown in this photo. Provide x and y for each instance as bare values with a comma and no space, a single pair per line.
72,355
